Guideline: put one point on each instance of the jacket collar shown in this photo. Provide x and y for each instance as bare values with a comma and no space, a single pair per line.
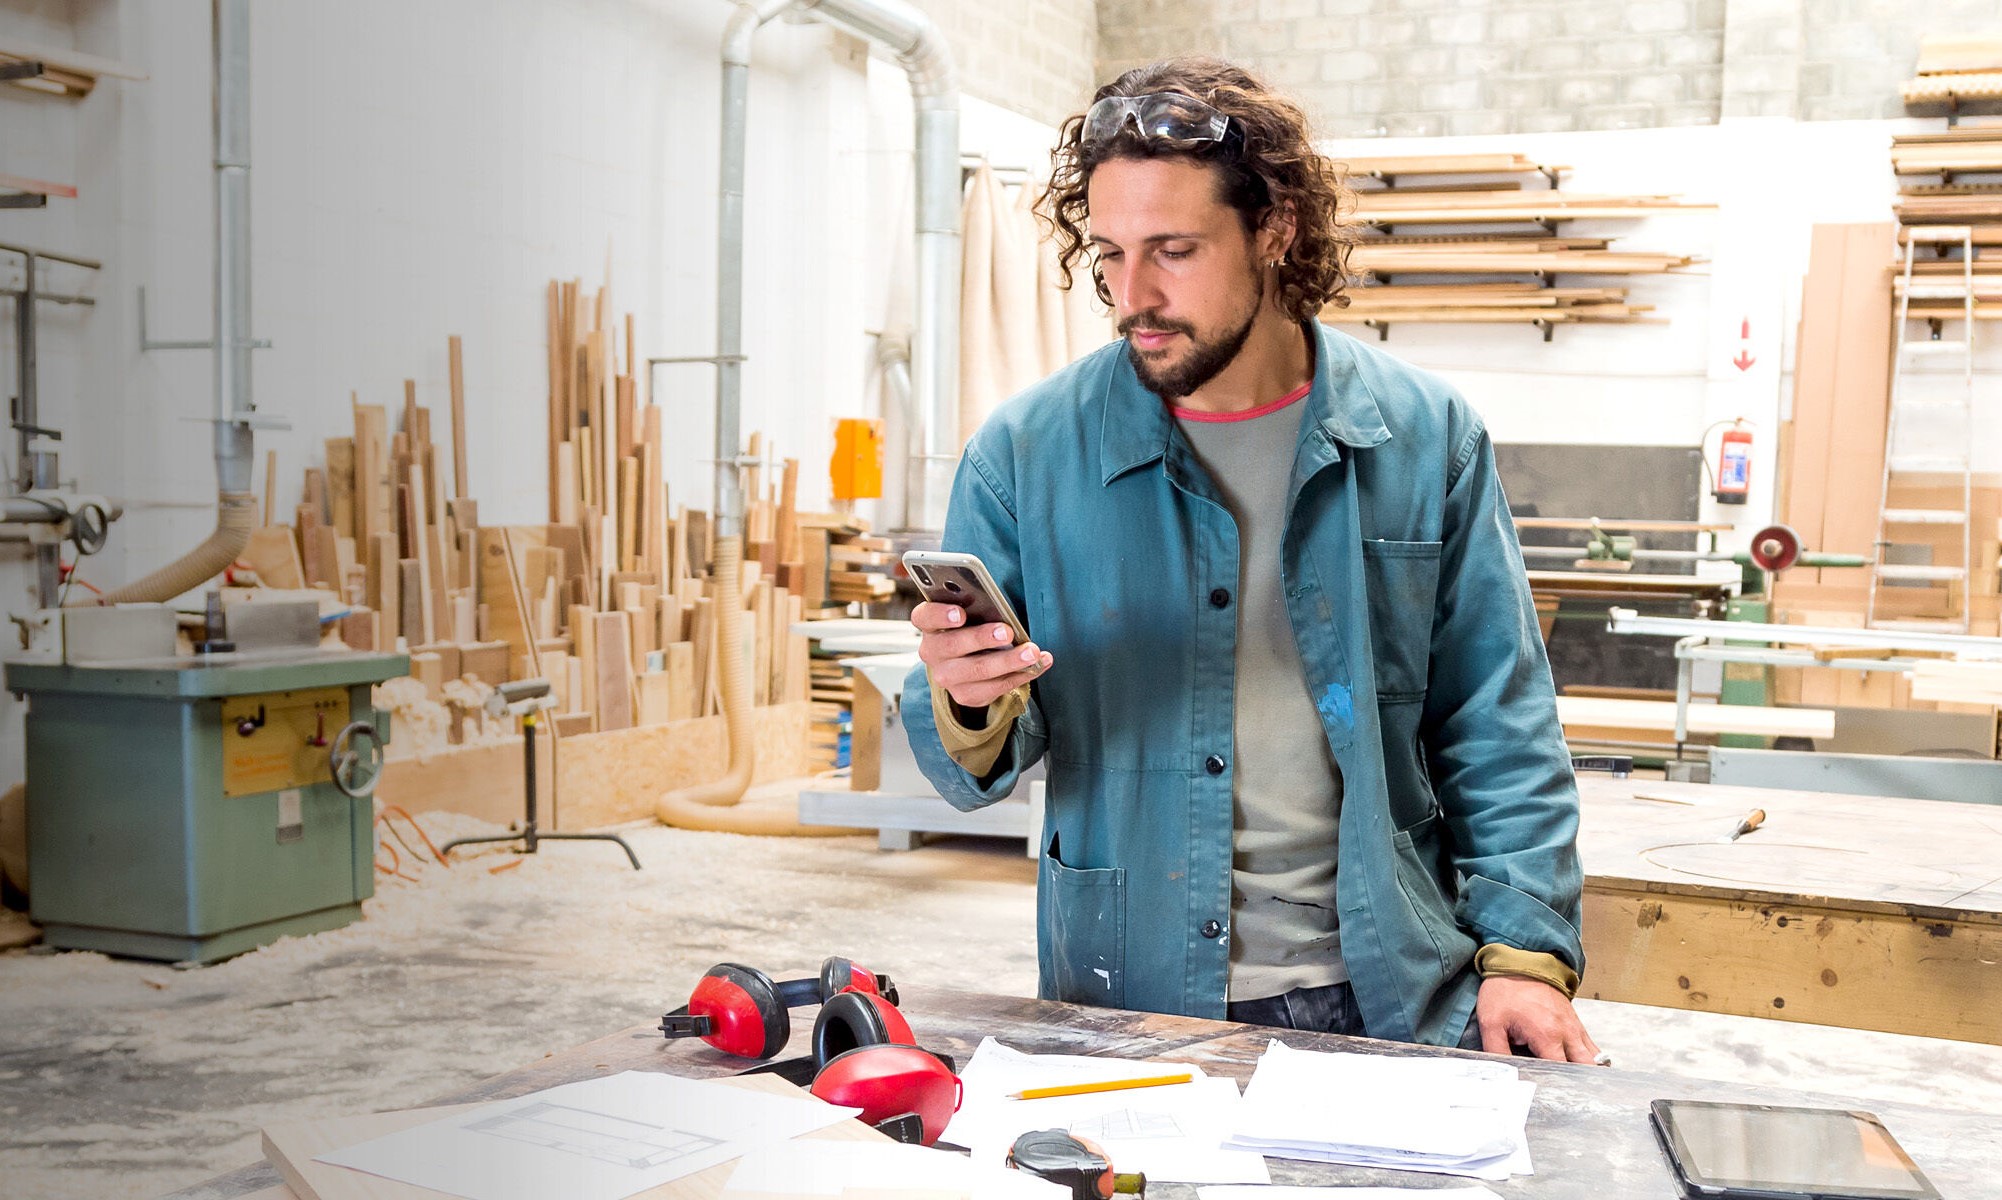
1138,425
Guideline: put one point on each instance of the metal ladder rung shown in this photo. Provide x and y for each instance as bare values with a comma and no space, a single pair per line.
1938,233
1920,464
1937,291
1924,516
1936,346
1915,571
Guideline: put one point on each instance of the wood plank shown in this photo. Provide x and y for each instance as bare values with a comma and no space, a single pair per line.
461,482
500,590
374,497
1658,715
385,582
613,693
341,485
274,555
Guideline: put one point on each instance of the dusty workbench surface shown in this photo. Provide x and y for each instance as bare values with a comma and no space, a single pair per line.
1588,1131
1859,911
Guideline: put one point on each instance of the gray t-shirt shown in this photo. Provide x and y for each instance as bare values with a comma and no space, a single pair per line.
1286,788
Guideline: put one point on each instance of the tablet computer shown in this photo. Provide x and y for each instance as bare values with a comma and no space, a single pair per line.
1767,1152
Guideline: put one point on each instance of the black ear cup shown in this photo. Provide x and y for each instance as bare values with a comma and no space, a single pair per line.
853,1020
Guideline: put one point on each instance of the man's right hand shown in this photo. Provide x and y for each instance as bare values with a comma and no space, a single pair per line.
975,666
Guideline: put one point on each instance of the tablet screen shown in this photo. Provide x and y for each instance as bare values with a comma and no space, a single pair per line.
1814,1152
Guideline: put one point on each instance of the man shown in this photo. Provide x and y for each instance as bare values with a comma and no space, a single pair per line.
1305,767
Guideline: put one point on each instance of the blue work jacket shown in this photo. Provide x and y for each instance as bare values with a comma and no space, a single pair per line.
1406,592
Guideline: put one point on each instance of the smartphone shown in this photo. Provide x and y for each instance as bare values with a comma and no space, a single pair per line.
963,580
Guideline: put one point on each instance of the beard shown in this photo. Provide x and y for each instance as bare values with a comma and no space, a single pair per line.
1173,379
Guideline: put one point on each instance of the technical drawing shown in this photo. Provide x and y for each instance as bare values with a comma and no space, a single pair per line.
1128,1124
601,1136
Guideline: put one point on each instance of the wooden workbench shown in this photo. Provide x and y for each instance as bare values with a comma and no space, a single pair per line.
1588,1131
1860,911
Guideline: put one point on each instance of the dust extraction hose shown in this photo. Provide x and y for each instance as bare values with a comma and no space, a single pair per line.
236,516
718,807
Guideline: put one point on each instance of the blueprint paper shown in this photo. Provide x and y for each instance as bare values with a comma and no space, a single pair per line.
827,1168
1450,1116
601,1139
1172,1133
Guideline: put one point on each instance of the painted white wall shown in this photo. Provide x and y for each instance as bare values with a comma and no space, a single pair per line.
424,170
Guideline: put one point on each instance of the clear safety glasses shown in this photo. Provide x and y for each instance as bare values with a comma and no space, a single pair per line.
1167,115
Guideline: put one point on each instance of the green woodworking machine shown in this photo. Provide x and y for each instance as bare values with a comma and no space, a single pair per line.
190,807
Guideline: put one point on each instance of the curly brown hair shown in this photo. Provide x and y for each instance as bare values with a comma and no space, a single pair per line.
1268,165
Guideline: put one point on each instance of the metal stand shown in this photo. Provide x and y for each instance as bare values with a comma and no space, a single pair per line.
527,702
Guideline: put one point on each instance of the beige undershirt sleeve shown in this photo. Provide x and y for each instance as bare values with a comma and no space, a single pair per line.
1498,959
976,749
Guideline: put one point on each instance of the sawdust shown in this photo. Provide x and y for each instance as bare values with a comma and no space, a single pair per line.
421,726
121,1078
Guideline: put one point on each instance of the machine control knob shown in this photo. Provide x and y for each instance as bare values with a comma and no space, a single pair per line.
250,725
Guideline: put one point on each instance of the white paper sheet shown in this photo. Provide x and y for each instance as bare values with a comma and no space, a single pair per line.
601,1139
826,1168
1230,1192
1448,1116
1171,1133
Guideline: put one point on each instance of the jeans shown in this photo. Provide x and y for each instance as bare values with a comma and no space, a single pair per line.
1330,1009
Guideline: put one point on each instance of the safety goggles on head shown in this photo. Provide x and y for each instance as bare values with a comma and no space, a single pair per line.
1168,115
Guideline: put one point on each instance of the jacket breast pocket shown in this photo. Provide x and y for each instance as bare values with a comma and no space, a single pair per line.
1403,583
1082,932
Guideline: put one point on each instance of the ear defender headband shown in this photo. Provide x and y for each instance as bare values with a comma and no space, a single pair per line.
741,1011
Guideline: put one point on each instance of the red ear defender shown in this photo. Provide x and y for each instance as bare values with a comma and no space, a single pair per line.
735,1009
886,1081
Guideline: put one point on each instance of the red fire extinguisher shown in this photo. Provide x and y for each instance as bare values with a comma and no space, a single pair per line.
1734,465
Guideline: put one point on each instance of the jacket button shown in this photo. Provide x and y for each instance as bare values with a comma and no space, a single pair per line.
1212,929
1214,764
1220,598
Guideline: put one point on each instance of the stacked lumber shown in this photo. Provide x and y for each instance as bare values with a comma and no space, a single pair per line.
612,599
56,71
845,565
1954,68
1397,206
1460,269
1391,167
1958,682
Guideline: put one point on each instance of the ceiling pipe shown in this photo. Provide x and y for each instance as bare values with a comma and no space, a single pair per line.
236,507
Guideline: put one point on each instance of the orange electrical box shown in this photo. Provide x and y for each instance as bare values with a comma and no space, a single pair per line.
857,466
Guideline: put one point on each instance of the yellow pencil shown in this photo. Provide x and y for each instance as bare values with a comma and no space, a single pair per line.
1110,1085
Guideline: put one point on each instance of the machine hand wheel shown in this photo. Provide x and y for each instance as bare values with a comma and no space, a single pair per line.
355,761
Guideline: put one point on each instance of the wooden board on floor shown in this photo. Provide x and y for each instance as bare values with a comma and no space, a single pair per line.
294,1146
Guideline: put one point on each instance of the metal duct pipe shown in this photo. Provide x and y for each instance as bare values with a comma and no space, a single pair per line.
235,505
933,443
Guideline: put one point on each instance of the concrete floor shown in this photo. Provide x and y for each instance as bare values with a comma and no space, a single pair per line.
126,1079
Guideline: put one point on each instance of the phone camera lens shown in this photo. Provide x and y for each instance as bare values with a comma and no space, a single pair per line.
952,587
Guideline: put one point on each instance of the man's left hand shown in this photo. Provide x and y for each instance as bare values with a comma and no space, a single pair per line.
1514,1011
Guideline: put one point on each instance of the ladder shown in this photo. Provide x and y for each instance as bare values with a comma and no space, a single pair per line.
1957,429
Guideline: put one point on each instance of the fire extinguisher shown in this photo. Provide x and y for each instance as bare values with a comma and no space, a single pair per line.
1733,480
